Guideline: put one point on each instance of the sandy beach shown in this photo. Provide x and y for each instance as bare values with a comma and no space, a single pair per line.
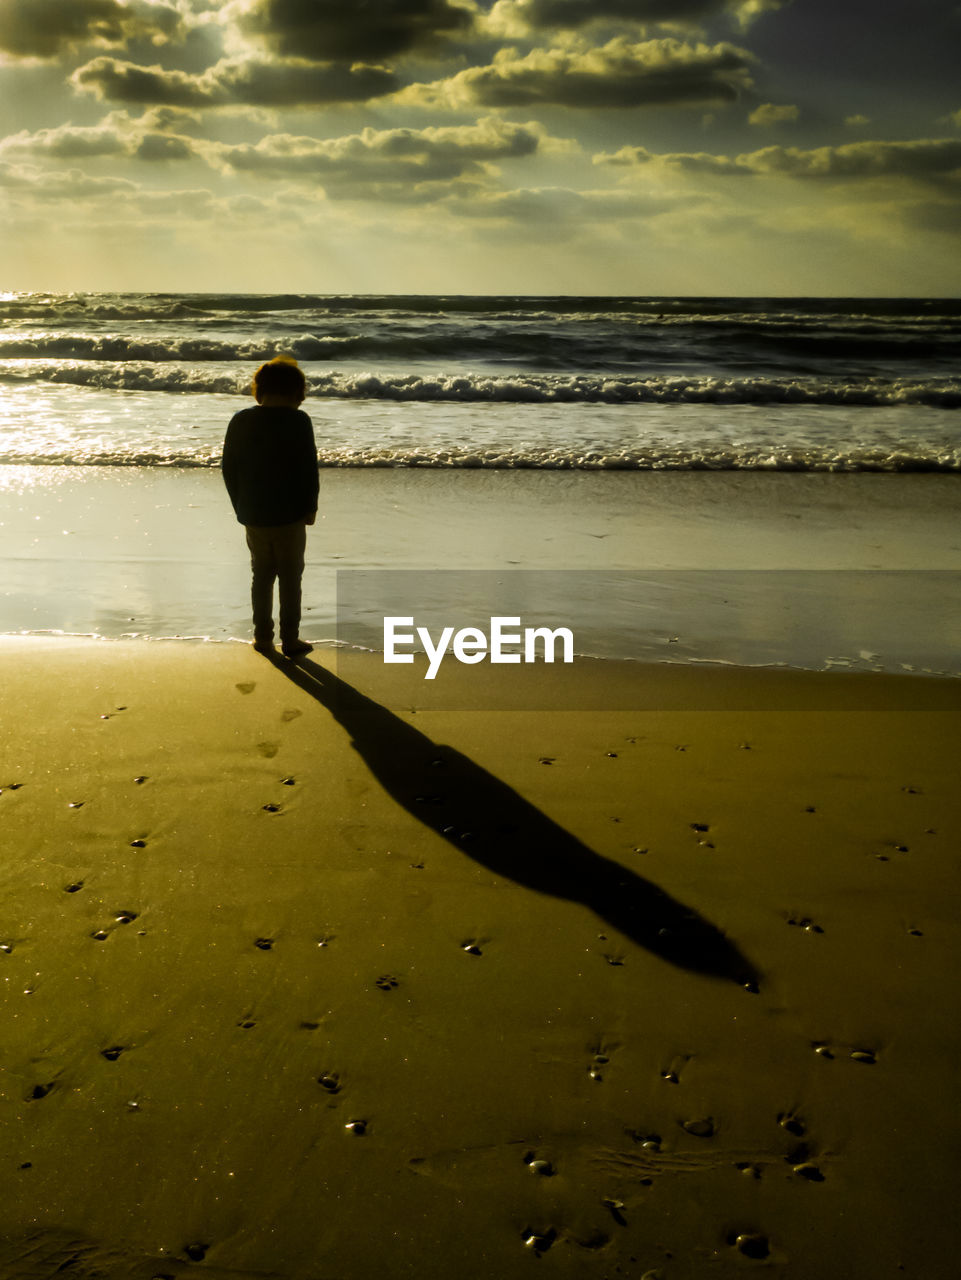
302,983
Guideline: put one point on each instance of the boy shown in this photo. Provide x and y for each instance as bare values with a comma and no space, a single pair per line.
270,470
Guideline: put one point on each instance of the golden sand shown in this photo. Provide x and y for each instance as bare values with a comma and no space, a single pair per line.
299,983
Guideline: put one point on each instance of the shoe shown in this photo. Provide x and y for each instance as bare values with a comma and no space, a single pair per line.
296,648
264,646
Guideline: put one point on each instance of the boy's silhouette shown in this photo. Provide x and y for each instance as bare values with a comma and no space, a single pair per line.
270,470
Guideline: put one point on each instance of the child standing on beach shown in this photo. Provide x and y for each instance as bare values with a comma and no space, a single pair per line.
270,469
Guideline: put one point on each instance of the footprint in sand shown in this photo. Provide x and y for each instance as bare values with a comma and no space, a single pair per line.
291,714
792,1124
701,1128
805,923
113,1053
672,1073
268,749
330,1082
808,1171
387,982
751,1244
539,1241
247,686
616,1208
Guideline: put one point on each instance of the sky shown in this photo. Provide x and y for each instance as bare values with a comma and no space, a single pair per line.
654,147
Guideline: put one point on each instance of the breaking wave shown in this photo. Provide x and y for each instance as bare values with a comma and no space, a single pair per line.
942,393
662,458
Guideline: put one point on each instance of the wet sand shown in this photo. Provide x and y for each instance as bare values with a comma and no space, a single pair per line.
301,983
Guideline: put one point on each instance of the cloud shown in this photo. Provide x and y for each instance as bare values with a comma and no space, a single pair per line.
540,205
619,74
334,30
536,15
925,158
147,137
290,82
392,162
67,184
67,142
769,113
155,147
42,28
857,122
688,162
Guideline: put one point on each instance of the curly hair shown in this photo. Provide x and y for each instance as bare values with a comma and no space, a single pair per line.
279,377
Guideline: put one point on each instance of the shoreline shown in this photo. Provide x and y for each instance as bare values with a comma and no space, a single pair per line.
94,551
588,683
244,900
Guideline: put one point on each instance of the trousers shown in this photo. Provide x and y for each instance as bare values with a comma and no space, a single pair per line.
276,553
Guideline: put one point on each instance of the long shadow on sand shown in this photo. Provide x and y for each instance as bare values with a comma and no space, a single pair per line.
486,820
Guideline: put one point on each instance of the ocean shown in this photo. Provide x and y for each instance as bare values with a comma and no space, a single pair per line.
694,435
725,383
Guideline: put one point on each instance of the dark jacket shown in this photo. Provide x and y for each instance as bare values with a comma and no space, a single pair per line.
270,465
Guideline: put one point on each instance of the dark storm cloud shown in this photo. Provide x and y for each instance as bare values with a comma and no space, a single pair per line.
332,29
41,28
291,83
117,81
619,74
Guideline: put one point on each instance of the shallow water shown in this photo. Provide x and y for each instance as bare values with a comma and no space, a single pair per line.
733,567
